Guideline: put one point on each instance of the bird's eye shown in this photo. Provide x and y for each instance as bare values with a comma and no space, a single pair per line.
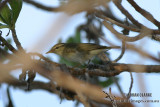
56,47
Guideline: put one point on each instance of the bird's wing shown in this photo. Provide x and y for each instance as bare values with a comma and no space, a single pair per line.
90,47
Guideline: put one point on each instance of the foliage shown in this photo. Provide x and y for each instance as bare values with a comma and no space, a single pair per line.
10,13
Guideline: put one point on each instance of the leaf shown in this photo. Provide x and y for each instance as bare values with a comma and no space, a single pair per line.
6,15
75,39
70,40
3,26
78,36
9,40
10,13
16,6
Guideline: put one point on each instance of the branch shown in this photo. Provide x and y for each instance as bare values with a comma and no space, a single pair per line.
108,14
118,68
144,32
9,46
10,103
120,24
141,52
34,85
100,70
144,13
66,93
131,85
71,83
122,52
118,86
66,81
18,44
38,5
127,14
108,70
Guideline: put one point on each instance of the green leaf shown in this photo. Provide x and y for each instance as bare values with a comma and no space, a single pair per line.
75,39
78,36
3,26
16,6
70,40
9,40
6,15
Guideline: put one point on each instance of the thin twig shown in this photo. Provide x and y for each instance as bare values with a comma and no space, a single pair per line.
123,25
119,24
104,13
9,46
131,85
141,52
10,102
127,14
35,85
144,32
122,52
40,6
144,13
111,97
15,38
118,85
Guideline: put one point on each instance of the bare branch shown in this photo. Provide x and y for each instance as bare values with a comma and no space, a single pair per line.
145,54
144,13
125,26
9,46
118,86
131,85
119,24
41,6
144,32
14,35
127,14
122,52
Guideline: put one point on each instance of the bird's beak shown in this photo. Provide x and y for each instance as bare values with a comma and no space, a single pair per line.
48,52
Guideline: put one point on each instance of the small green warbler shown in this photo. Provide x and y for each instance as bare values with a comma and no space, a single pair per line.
78,52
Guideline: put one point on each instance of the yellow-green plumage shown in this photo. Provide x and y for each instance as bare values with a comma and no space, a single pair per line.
78,52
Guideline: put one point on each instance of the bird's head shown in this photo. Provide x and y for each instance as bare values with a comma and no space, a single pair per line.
57,49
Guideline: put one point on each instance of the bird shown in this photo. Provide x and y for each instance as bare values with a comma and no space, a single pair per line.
79,52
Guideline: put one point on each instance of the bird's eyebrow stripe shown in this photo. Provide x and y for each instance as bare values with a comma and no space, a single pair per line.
60,45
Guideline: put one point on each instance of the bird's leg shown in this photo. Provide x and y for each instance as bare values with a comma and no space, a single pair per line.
89,61
106,60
